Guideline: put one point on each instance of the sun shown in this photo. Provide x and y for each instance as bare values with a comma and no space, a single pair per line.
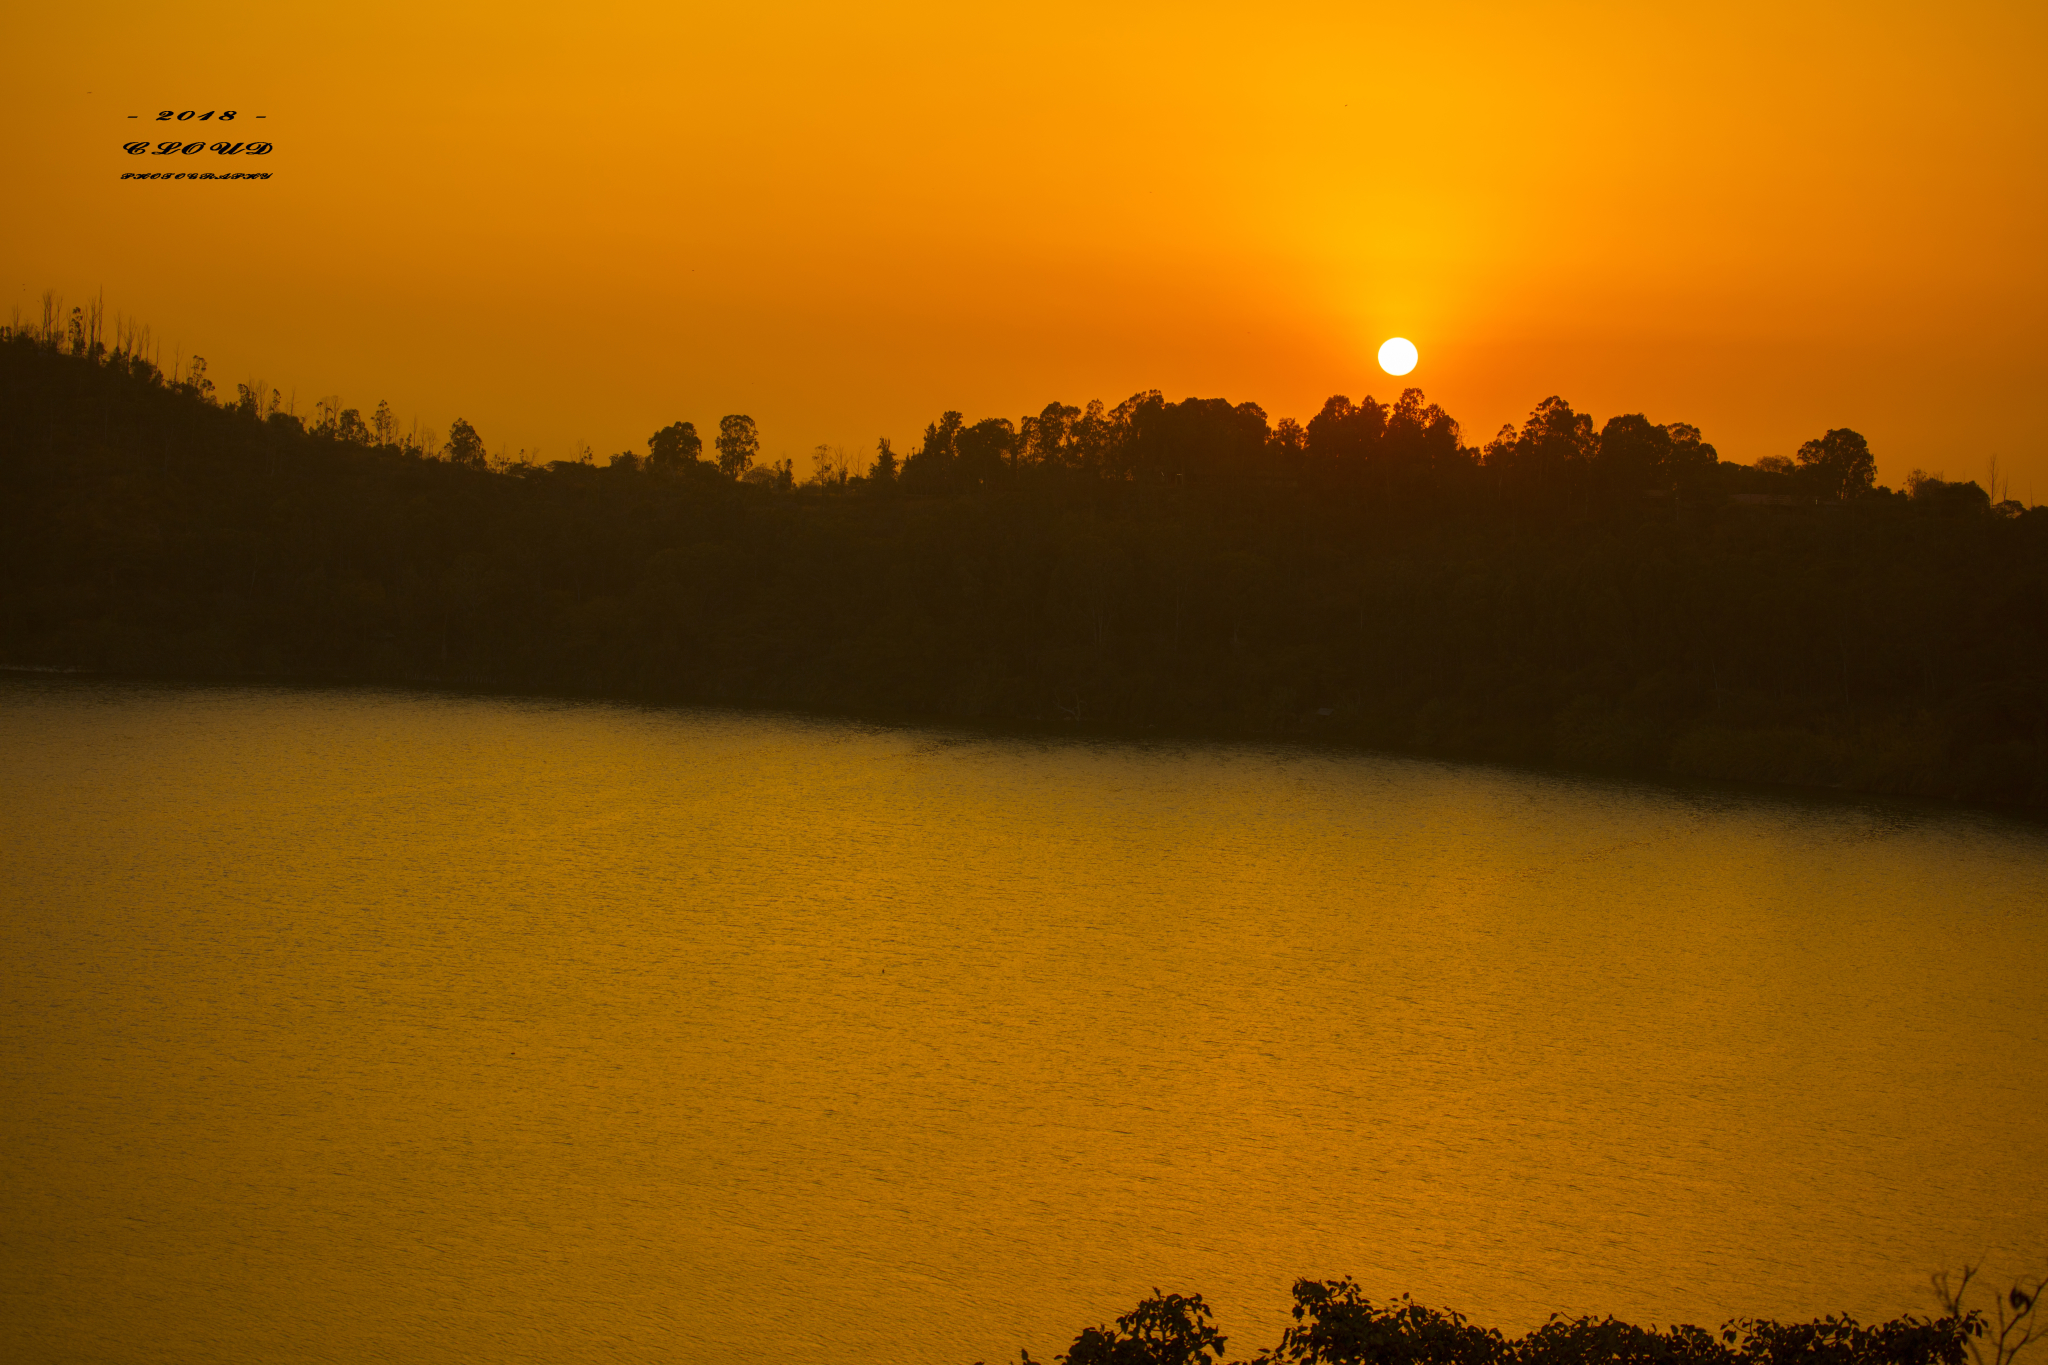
1397,355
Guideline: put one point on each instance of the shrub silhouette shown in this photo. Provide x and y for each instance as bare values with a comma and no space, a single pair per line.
1335,1323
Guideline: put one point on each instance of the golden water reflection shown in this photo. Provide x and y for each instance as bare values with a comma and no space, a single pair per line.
384,1026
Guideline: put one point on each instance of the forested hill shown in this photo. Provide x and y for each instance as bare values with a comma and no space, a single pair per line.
1618,600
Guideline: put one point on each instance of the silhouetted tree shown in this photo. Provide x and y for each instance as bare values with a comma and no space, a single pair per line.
883,474
1198,439
2016,1323
1553,450
1406,447
1838,464
1044,440
1691,461
1341,437
1419,439
465,447
1933,491
738,443
1632,456
674,448
982,452
1336,1324
777,476
1288,445
1166,1329
1091,438
929,469
195,379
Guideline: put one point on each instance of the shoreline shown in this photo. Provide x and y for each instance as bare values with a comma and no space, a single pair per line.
1324,741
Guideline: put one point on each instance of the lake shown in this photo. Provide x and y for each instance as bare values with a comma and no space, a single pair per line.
366,1025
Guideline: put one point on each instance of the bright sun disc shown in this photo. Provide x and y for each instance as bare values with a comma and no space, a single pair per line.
1397,355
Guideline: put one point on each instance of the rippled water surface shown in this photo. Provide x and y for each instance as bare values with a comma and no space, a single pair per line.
376,1026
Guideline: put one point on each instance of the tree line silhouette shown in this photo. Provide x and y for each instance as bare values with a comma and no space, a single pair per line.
1614,598
1405,448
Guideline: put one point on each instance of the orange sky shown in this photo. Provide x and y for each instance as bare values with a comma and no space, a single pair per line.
582,222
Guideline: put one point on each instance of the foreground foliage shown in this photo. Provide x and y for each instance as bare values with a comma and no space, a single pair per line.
1336,1324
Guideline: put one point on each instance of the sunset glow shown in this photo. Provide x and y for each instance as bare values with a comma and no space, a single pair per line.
582,224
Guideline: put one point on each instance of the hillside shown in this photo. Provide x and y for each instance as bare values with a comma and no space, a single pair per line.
1619,601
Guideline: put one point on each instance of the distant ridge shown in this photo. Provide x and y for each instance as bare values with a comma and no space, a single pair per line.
1175,569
